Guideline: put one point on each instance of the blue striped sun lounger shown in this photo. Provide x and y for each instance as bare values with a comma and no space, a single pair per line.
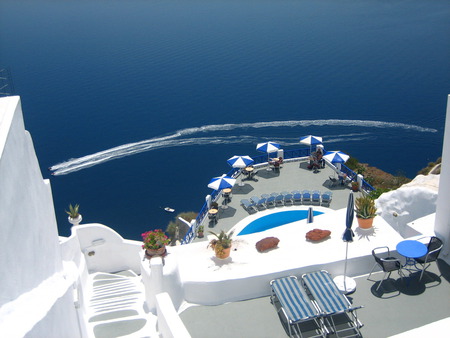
332,303
291,300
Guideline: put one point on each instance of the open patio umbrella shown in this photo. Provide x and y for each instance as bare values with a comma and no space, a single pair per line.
310,217
336,156
344,283
222,182
268,147
311,140
240,161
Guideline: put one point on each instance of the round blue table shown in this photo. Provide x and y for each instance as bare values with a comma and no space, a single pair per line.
411,249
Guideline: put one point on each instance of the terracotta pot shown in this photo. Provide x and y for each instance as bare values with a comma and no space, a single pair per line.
222,253
149,253
365,223
200,235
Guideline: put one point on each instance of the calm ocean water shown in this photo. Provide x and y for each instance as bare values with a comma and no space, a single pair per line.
137,104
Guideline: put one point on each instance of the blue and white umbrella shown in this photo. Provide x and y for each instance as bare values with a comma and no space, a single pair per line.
240,161
268,147
336,157
311,140
222,182
310,217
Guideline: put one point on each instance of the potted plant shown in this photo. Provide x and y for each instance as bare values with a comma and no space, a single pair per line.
221,244
154,243
74,216
355,186
365,211
200,231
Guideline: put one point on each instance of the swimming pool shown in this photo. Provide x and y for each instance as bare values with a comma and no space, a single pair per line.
275,220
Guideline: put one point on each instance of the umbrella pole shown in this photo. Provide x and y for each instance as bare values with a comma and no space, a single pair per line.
345,267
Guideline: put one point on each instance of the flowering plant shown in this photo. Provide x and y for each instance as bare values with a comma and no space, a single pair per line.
154,239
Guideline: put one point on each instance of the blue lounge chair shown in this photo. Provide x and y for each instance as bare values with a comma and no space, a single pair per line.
335,306
306,197
288,199
279,200
326,198
315,197
260,203
297,197
248,206
270,201
291,301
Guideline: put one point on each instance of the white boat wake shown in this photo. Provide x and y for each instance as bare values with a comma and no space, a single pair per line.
181,138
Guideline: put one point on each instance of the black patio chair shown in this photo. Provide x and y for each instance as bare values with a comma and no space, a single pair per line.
434,249
387,263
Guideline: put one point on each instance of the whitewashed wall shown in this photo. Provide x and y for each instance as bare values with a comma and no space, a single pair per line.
33,287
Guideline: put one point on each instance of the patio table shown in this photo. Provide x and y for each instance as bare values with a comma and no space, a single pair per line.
411,249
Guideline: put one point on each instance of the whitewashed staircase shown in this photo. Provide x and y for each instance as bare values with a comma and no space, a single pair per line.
116,306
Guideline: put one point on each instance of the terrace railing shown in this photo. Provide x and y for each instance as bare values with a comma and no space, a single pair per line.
260,159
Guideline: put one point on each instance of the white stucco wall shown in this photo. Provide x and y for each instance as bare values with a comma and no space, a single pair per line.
442,225
30,260
409,202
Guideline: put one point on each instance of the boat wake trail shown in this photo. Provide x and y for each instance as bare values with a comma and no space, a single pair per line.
184,137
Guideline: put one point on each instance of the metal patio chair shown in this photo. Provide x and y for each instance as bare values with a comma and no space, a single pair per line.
387,263
434,249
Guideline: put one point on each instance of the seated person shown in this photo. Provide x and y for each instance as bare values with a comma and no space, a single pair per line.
280,160
313,162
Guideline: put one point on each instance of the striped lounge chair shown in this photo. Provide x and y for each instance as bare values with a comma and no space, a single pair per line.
339,314
291,302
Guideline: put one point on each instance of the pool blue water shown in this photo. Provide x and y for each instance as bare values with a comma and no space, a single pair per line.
275,220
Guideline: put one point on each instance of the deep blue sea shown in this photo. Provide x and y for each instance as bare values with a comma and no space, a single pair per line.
138,104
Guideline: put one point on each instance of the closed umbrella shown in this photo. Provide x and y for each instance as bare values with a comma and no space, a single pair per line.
336,157
310,217
222,182
240,161
344,283
311,140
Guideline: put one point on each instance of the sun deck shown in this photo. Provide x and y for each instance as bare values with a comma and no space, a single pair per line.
292,176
